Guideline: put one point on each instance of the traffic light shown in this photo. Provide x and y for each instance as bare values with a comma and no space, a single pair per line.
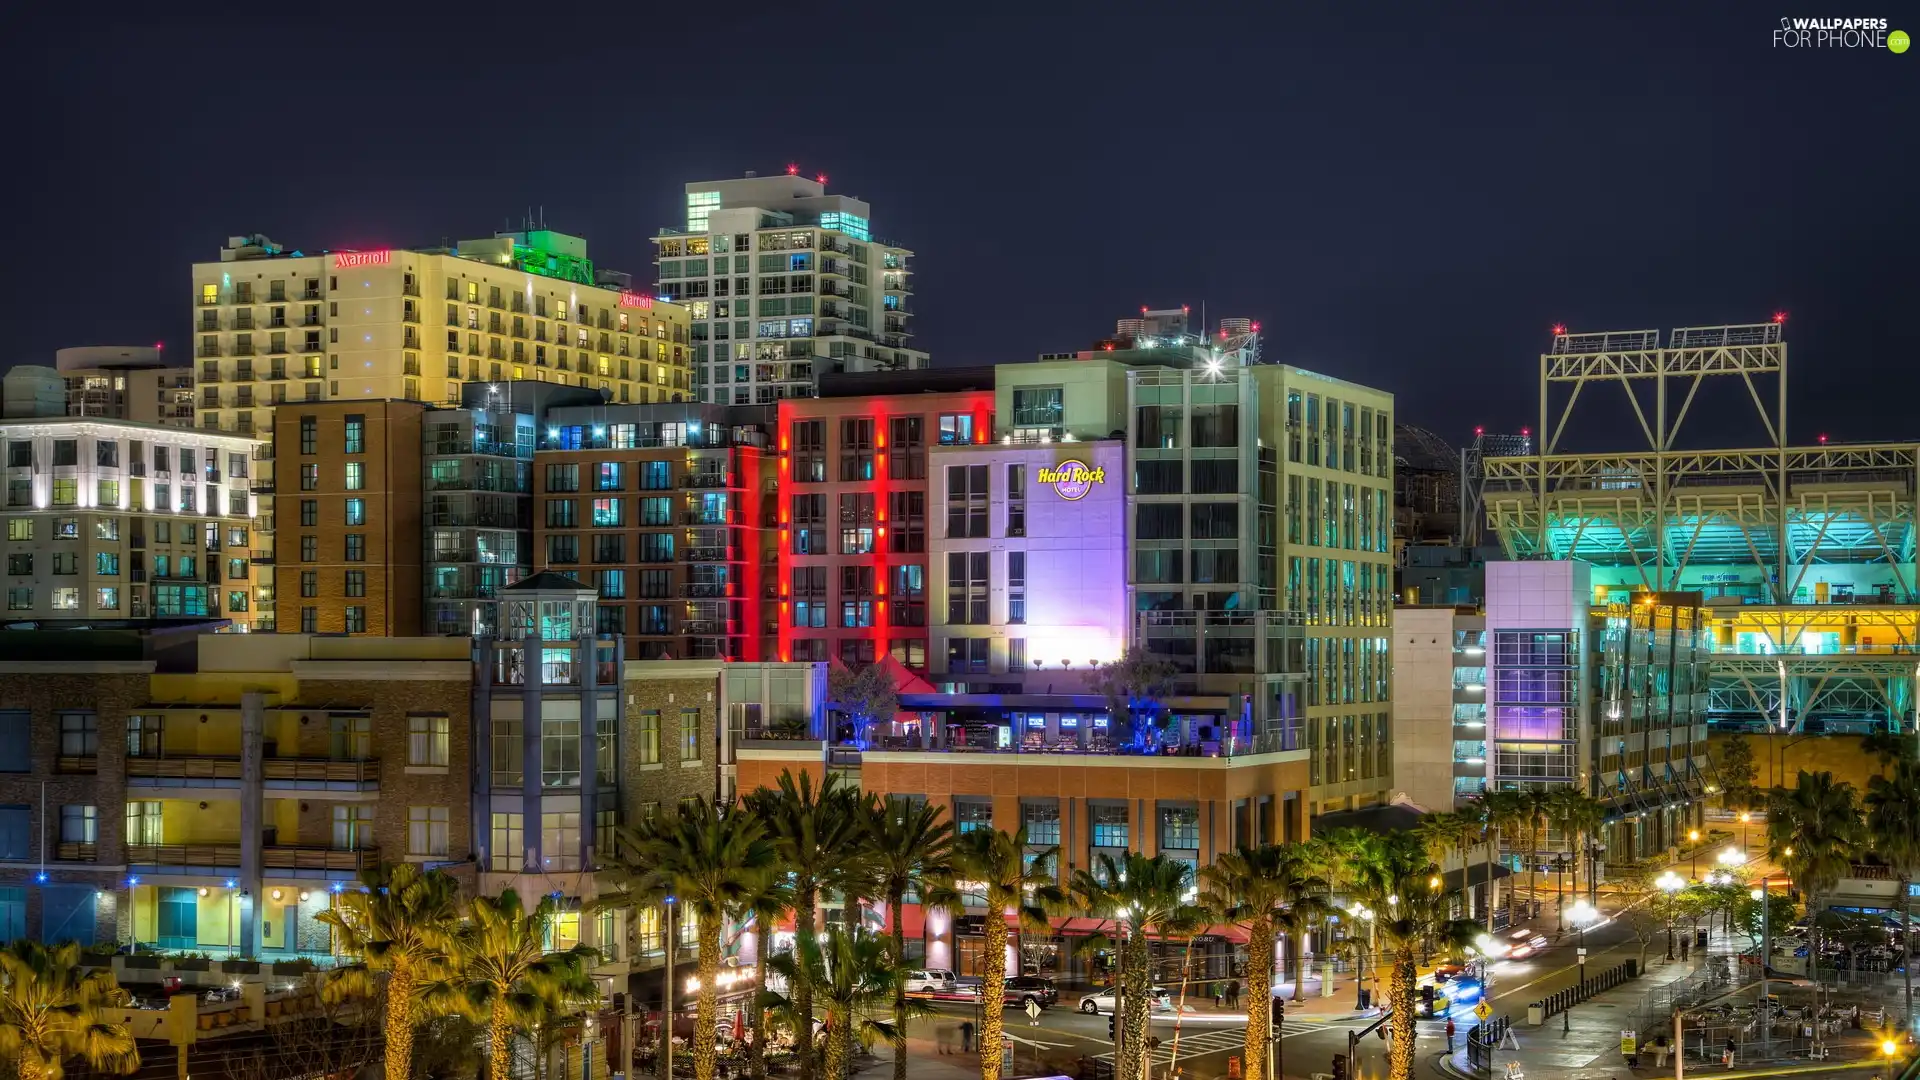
1110,1030
1339,1067
1278,1014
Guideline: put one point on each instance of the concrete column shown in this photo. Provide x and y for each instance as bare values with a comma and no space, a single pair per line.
590,742
480,752
252,784
532,691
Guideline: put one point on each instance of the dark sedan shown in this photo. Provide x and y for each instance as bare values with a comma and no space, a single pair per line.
1024,988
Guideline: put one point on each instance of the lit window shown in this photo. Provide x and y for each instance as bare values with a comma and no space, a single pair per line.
356,476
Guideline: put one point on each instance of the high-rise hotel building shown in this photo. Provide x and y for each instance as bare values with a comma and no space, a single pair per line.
273,326
785,282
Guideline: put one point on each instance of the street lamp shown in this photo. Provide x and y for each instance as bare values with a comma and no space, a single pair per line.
1745,818
1693,837
1759,896
1669,883
1581,914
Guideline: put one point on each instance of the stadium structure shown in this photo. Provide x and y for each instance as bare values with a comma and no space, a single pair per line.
1804,553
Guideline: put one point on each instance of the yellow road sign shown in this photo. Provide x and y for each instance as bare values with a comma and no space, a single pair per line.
1483,1010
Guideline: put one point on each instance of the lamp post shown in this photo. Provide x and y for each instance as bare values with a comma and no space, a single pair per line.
1745,818
666,1008
1581,914
1766,961
1669,883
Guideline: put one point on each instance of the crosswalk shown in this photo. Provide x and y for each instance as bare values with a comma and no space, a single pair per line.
1216,1040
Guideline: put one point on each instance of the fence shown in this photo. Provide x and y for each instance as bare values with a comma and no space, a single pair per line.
1574,995
1483,1040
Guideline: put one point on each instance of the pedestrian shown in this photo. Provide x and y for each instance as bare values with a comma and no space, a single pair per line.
966,1036
1219,994
1726,1056
1683,948
1233,994
1449,1034
1660,1048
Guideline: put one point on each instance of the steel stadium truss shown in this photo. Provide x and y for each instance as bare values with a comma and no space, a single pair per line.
1805,553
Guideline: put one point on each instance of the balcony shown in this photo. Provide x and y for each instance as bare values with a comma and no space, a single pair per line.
76,763
704,480
262,558
310,294
707,554
76,851
209,858
207,350
278,773
694,590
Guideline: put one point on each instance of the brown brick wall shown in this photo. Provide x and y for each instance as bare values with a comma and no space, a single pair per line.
392,702
392,492
669,781
45,694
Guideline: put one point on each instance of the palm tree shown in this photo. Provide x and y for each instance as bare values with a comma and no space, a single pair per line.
1461,830
855,980
508,978
910,843
1341,855
1893,827
1268,891
816,834
401,925
1508,812
1412,918
1814,831
1574,813
767,903
53,1009
1140,896
707,859
995,865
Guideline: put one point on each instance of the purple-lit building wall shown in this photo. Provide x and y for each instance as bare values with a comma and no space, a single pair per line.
1537,615
1058,508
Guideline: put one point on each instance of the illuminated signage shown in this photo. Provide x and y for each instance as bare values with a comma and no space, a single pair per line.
1072,480
634,299
347,260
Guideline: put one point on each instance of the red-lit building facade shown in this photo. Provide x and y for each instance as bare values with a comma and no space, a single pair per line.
854,514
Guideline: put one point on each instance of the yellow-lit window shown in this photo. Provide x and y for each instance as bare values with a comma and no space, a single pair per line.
564,931
519,372
660,375
209,294
541,376
623,315
700,309
453,392
606,365
473,292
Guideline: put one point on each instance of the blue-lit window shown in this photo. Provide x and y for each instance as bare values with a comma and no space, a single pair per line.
800,328
892,303
802,261
572,437
1109,824
606,476
969,815
1041,819
608,512
655,476
851,224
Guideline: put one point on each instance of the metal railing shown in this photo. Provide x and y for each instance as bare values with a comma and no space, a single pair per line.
302,770
1574,995
272,856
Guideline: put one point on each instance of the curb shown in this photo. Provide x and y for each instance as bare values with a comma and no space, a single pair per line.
1446,1066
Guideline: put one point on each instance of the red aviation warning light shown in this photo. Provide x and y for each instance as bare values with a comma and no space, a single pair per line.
1559,329
1780,316
793,170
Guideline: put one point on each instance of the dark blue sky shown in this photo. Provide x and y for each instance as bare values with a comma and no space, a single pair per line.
1407,199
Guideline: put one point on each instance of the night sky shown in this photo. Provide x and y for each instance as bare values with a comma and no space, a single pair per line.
1404,199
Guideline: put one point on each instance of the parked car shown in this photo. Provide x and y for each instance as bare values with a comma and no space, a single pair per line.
931,981
1101,1001
1024,988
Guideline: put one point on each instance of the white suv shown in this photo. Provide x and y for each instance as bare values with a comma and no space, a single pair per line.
934,981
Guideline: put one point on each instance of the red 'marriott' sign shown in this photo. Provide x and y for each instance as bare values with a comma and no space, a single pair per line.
345,260
634,299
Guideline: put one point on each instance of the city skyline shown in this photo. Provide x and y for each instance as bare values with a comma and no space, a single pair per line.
1542,196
